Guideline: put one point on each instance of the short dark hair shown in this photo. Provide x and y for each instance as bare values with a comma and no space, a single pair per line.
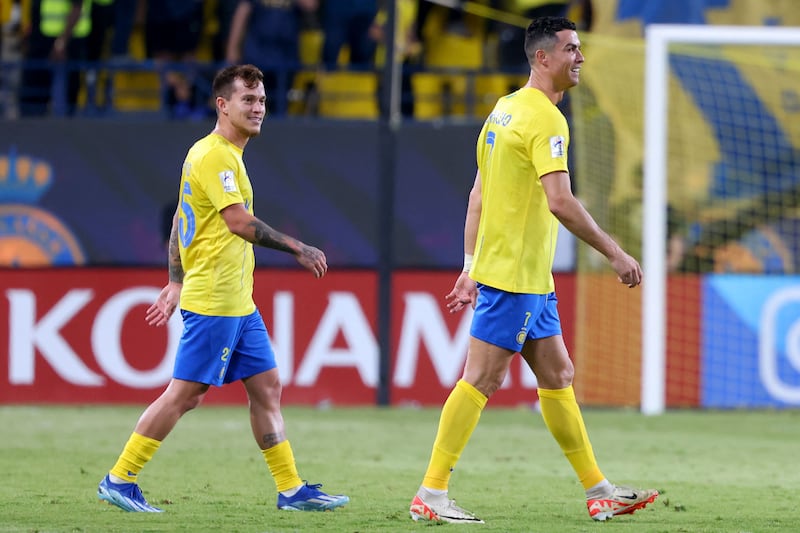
222,86
541,33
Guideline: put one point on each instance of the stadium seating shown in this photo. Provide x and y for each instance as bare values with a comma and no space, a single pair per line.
490,87
346,94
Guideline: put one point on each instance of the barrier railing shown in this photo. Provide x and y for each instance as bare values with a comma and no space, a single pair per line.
141,89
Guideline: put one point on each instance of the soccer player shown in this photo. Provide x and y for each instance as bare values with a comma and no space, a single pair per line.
224,339
521,192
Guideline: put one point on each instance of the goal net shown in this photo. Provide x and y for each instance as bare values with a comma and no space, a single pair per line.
686,150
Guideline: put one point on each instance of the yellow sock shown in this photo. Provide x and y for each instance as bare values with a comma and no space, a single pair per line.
562,416
460,415
280,461
138,450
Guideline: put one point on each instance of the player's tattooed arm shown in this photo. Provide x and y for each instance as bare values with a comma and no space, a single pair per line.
175,266
309,257
269,237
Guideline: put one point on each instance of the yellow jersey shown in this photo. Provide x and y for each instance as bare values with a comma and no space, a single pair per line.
524,138
218,265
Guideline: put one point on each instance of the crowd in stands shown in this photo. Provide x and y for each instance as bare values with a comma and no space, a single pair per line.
97,56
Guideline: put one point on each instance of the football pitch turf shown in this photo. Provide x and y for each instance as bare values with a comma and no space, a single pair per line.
733,471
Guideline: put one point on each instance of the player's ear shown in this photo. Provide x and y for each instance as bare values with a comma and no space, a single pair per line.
541,57
222,105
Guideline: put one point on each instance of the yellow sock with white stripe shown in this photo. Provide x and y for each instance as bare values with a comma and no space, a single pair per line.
563,418
460,415
137,452
280,461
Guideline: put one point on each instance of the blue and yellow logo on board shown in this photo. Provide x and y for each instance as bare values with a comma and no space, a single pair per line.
29,235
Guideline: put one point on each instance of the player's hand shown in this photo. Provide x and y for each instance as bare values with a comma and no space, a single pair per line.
158,314
465,292
313,260
628,270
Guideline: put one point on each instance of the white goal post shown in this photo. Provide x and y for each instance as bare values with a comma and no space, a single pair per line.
658,38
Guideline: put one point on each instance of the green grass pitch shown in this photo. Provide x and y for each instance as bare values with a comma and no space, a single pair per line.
718,471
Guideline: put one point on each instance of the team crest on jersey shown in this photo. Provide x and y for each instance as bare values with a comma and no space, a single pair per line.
228,181
557,146
29,235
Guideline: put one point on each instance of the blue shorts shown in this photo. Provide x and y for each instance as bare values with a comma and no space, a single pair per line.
222,349
508,319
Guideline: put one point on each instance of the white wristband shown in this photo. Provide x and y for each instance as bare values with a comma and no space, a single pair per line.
467,262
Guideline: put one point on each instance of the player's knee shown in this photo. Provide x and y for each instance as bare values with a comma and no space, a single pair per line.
565,373
565,377
193,402
274,397
557,378
273,392
487,384
266,398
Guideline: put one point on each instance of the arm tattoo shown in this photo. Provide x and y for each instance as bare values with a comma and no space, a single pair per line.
269,237
174,261
271,439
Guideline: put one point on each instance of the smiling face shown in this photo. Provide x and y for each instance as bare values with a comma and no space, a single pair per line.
565,60
245,109
554,54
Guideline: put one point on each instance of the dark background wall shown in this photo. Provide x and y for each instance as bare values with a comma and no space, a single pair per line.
111,180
